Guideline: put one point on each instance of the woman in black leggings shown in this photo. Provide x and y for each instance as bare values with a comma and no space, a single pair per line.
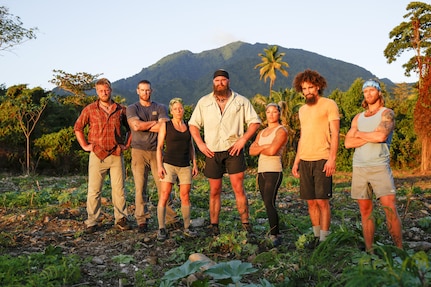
269,145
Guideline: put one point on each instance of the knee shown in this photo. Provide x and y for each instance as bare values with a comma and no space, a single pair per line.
312,204
366,210
215,193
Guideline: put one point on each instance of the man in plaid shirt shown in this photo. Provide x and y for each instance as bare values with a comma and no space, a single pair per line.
106,144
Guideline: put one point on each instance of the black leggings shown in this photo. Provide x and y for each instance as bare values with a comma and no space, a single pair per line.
269,182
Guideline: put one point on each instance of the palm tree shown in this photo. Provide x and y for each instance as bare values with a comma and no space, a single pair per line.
290,101
271,63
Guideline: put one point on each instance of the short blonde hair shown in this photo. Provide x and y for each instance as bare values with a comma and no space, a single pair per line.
103,81
174,101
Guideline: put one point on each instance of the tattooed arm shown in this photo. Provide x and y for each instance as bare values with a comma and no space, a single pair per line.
382,132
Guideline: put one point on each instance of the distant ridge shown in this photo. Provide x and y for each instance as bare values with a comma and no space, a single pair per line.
189,76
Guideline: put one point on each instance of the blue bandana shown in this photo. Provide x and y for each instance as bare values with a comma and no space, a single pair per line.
371,83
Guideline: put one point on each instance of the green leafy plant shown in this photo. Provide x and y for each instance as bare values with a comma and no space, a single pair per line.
425,223
50,268
232,242
123,259
224,273
230,272
389,266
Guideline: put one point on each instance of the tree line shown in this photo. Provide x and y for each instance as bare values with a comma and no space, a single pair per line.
36,127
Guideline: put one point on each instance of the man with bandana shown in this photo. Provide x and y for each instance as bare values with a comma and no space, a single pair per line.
371,136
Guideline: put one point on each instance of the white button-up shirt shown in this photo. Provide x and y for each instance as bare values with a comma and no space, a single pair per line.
222,130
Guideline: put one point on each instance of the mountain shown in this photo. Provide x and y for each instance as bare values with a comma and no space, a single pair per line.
189,76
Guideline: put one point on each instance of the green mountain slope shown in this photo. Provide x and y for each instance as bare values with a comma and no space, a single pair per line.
189,76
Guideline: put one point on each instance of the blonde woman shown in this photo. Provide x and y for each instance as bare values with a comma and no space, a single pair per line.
173,163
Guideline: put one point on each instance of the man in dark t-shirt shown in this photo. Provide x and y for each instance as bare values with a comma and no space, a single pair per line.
144,118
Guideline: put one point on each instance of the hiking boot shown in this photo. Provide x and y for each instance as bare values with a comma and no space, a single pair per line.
214,230
275,240
162,235
122,224
189,232
313,243
247,228
90,229
143,227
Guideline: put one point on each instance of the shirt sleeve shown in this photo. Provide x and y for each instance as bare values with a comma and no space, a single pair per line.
82,121
196,117
163,112
333,112
131,112
251,116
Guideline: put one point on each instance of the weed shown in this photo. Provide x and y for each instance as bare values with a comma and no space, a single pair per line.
425,223
123,259
50,268
390,266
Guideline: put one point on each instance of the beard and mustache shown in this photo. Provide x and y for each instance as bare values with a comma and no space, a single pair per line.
221,90
310,99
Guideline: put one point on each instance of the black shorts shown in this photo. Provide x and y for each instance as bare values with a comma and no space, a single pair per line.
313,183
223,162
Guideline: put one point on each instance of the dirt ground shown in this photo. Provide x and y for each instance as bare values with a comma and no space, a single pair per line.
65,230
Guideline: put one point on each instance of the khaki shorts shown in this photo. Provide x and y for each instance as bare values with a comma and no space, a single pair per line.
182,173
372,179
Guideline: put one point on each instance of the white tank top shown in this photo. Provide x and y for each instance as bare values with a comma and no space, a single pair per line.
372,154
269,163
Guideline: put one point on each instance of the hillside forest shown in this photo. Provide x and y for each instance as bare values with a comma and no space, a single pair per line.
36,127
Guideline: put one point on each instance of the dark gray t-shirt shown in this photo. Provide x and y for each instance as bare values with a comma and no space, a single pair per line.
146,140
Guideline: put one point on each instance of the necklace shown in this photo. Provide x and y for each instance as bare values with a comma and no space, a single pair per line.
373,112
221,100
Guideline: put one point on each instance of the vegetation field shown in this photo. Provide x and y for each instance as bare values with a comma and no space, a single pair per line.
42,239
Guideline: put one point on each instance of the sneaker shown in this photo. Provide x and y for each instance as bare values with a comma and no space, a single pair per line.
90,229
214,230
247,227
143,227
189,232
276,240
162,234
122,224
174,225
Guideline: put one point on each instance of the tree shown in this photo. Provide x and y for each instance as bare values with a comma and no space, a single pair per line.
271,63
26,108
289,101
405,148
416,35
12,33
76,84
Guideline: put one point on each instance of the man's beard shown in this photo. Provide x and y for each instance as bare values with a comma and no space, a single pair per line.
372,101
221,91
311,100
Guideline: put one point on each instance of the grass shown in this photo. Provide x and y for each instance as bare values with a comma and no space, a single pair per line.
338,261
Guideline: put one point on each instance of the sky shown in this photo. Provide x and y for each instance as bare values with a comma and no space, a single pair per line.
120,38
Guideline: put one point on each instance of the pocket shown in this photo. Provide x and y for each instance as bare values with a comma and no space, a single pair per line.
154,116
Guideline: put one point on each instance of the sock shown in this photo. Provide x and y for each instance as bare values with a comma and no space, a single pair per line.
316,231
324,234
161,214
185,210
